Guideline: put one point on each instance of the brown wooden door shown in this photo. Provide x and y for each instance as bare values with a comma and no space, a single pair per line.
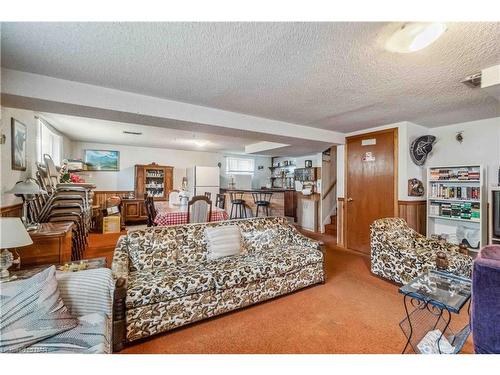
371,184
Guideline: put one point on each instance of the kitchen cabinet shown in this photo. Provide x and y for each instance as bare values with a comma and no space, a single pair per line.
307,211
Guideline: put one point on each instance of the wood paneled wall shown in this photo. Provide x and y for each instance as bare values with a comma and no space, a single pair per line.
414,212
100,197
15,210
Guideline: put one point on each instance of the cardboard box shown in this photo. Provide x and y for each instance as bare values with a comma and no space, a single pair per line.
111,224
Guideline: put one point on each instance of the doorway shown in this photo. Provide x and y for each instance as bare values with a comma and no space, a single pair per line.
371,184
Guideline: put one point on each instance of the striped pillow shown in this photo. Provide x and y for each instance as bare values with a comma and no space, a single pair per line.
223,241
31,311
87,292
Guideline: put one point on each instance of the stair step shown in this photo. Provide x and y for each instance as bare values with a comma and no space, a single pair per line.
331,229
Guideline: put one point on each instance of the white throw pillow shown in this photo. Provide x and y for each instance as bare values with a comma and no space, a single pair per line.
223,241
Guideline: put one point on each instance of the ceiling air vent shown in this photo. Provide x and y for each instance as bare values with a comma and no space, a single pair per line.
473,80
133,133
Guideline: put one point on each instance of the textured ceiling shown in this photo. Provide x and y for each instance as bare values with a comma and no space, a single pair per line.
335,76
111,132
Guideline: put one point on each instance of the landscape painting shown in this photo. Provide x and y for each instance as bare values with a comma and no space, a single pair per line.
102,160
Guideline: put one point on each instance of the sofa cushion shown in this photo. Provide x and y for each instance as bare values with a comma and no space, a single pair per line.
237,270
32,310
223,241
164,284
289,258
92,335
240,270
153,248
256,234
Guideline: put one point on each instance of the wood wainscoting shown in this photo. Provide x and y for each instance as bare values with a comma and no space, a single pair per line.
414,212
100,197
16,210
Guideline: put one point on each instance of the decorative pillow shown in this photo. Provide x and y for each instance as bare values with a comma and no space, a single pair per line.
150,250
31,311
223,241
86,292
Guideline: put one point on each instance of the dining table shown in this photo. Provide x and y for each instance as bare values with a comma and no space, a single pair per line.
170,214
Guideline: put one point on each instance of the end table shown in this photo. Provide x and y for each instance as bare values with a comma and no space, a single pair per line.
430,300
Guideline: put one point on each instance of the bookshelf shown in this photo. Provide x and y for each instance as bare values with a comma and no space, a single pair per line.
456,204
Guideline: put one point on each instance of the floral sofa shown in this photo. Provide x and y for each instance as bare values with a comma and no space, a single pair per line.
399,253
167,280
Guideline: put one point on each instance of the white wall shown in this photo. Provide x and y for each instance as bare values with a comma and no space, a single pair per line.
179,159
481,145
8,176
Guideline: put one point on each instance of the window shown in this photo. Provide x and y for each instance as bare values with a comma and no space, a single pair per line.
49,142
240,165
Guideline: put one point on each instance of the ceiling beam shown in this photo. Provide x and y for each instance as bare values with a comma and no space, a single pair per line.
62,96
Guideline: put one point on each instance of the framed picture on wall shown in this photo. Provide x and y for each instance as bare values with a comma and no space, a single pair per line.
102,160
18,145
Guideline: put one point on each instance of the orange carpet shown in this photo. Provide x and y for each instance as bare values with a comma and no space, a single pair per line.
354,312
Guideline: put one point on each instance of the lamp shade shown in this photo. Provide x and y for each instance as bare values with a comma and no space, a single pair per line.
13,233
28,186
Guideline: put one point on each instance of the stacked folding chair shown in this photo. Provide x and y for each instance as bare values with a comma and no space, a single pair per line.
64,202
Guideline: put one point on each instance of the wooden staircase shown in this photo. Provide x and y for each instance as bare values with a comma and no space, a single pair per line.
331,229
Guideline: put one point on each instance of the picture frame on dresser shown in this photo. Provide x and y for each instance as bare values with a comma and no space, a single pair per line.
19,134
457,204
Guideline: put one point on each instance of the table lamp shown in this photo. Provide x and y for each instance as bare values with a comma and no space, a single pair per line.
13,234
28,188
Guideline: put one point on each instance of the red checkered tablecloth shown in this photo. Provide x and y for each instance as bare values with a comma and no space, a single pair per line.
164,218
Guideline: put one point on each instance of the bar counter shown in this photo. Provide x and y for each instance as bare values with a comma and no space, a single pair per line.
283,201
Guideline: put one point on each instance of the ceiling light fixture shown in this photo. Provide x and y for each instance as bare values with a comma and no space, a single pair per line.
412,37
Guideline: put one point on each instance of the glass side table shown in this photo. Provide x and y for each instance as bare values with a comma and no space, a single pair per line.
430,300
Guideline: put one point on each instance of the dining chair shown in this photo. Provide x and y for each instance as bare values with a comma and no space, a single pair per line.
173,197
150,210
208,195
220,201
199,210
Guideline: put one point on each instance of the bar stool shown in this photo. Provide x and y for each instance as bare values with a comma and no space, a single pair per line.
263,200
238,205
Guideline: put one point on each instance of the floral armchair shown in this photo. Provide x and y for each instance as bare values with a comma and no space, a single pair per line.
399,253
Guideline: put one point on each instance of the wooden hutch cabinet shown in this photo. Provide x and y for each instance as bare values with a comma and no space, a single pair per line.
153,179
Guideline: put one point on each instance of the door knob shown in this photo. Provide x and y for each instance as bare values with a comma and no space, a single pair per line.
349,199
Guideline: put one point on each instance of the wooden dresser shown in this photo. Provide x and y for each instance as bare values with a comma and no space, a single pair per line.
134,210
51,244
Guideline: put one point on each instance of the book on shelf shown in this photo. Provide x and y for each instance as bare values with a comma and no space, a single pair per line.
441,191
459,174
